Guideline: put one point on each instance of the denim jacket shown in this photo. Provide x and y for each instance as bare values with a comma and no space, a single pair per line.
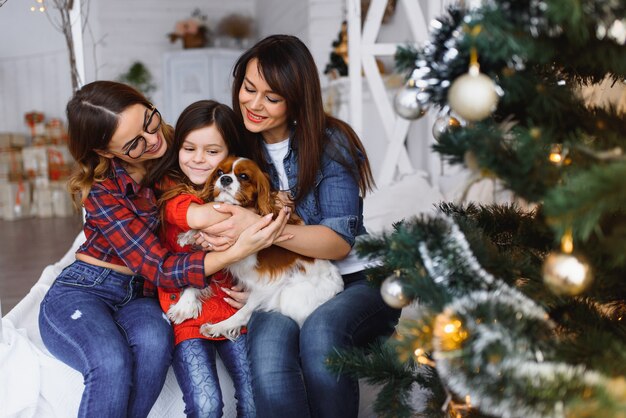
334,201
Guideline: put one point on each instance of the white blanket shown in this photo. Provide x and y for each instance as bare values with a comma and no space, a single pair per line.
35,384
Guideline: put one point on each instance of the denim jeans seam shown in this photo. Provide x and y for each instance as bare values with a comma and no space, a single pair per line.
129,295
101,274
52,326
365,318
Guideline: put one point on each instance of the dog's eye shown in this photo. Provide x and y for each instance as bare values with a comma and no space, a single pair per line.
220,172
244,176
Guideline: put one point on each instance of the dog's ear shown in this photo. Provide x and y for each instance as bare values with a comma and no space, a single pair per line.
265,196
209,187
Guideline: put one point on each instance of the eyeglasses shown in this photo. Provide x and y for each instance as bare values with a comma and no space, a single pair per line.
138,145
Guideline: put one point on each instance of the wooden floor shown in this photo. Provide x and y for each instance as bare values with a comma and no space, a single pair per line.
26,247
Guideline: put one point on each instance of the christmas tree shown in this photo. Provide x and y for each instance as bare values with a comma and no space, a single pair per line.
516,309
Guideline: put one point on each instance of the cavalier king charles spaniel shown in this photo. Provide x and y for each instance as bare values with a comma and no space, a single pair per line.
277,279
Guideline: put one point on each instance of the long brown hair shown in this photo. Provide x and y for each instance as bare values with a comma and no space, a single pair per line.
93,116
289,69
198,115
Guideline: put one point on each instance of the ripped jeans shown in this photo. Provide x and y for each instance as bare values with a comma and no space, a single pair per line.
96,321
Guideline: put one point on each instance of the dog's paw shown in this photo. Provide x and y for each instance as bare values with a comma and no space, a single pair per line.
209,330
233,333
186,238
216,330
184,310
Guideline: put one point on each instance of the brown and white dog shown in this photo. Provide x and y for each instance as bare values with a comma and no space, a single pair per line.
278,279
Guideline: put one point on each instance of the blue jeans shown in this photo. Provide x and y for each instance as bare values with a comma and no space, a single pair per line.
194,365
289,375
96,321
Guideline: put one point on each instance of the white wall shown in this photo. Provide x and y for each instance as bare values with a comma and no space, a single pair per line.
34,73
315,22
34,67
273,17
136,30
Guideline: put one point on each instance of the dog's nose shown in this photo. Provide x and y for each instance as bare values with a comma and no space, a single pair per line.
225,180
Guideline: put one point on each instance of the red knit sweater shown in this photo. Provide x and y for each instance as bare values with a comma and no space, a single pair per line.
214,309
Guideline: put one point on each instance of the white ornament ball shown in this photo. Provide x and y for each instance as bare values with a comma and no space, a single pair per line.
473,96
566,274
392,292
407,103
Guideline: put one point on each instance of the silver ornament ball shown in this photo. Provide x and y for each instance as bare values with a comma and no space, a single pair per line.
407,102
392,292
444,124
473,96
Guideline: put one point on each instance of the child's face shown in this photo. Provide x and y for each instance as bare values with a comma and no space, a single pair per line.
202,150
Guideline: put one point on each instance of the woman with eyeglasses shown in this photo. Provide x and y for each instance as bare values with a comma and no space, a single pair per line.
100,316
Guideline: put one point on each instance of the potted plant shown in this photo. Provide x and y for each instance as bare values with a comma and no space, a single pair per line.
139,77
193,31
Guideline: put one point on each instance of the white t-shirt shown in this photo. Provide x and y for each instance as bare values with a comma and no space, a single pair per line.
277,153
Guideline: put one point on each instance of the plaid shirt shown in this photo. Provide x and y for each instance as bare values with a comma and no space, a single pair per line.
120,225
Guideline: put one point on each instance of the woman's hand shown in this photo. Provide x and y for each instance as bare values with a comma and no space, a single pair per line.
284,199
237,296
262,234
223,234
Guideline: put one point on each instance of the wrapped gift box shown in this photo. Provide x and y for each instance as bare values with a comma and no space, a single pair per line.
35,160
15,200
42,199
62,205
11,167
59,162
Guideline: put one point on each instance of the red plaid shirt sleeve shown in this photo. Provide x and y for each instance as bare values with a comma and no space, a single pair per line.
120,228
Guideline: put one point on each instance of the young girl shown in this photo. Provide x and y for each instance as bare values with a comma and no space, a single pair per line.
205,133
96,317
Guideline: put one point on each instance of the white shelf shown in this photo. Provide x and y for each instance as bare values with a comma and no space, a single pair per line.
196,74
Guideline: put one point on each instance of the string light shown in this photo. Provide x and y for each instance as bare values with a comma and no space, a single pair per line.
41,7
567,242
449,332
457,408
558,155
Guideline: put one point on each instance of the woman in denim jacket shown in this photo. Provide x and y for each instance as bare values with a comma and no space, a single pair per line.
319,163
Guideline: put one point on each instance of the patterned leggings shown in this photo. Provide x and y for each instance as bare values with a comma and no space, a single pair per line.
196,372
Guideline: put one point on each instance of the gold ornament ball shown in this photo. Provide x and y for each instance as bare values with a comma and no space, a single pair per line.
473,96
392,292
449,332
567,274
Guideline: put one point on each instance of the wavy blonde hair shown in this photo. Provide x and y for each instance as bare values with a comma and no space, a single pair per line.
93,116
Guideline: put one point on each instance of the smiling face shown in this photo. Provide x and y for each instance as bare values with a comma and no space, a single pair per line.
263,110
131,125
202,150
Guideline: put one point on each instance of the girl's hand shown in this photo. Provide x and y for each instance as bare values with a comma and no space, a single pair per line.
224,234
208,242
237,296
